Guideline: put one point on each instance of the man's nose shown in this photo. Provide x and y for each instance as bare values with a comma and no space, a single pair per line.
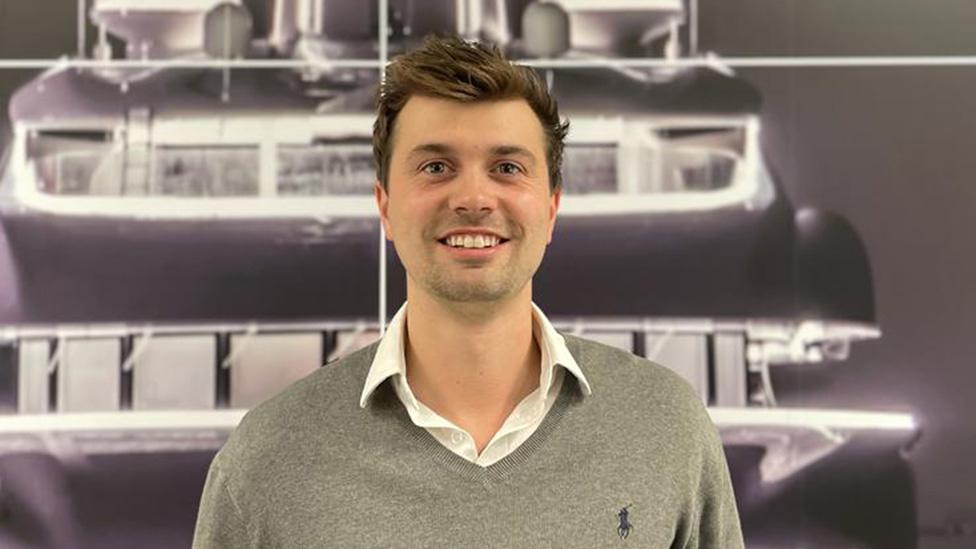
473,192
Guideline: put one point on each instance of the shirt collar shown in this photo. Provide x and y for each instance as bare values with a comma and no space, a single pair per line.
390,358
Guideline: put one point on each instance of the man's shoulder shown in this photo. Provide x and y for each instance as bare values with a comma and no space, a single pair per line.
634,385
616,367
333,384
314,404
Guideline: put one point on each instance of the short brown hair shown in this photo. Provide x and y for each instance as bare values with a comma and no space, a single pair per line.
448,67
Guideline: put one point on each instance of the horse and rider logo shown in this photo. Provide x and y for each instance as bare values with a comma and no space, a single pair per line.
624,528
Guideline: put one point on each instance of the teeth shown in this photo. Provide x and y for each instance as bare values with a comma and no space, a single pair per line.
472,241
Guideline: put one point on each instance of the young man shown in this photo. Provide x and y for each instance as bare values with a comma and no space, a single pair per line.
472,423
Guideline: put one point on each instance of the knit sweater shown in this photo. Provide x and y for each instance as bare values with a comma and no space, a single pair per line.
636,463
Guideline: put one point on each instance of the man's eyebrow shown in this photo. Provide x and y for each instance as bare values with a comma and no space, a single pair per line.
447,150
512,150
430,148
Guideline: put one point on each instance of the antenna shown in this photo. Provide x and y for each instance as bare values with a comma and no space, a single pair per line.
81,29
227,30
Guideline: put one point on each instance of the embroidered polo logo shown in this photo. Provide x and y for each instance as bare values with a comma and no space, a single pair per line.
624,528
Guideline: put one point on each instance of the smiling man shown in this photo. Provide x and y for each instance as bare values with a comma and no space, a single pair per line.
472,422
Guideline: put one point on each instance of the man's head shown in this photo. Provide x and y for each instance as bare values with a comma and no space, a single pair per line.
450,68
465,186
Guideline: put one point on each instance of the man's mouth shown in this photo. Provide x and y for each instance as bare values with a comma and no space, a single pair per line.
472,241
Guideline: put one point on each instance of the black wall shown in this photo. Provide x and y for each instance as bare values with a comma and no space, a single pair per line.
894,151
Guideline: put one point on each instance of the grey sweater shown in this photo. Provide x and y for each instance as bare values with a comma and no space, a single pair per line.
636,463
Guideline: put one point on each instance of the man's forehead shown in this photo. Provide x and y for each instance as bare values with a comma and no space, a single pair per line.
495,124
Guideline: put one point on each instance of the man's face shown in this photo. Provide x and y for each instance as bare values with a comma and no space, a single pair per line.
468,206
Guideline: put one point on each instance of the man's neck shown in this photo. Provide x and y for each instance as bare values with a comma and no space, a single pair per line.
472,365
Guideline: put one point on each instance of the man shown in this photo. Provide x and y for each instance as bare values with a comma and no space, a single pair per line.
472,423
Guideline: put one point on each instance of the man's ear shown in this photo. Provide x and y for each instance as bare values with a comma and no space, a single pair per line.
383,205
553,210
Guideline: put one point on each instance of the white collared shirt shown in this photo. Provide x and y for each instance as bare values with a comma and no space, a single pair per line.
390,361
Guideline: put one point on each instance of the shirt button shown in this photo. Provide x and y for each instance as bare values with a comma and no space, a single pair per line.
457,438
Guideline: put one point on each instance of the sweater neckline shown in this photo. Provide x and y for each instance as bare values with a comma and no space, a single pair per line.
508,464
487,475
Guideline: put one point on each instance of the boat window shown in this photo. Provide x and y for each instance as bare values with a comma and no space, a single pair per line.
729,139
672,160
67,159
589,168
217,171
79,163
695,159
688,169
326,168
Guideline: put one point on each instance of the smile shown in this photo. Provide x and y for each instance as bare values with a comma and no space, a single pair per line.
472,241
473,246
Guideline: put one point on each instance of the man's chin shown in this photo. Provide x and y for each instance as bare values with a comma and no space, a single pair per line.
473,295
471,292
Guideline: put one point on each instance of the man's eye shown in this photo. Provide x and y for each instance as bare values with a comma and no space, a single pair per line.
434,168
508,168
